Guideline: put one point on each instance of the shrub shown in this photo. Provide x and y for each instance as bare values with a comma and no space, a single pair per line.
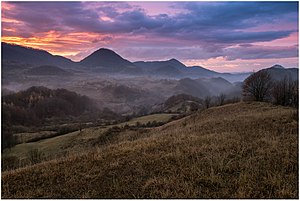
35,156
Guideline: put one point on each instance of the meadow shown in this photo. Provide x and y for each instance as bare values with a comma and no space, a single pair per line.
242,150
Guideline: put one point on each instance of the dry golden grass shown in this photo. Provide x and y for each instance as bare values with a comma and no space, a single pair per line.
244,150
149,118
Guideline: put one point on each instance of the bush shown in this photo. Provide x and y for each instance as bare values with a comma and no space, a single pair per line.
35,156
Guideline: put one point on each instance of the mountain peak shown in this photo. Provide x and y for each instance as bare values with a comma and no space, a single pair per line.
174,60
176,63
104,57
277,66
105,50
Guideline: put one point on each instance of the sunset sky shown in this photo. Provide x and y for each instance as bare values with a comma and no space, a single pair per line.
222,36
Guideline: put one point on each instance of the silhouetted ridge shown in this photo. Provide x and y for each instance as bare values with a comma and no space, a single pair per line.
277,66
36,57
278,72
106,58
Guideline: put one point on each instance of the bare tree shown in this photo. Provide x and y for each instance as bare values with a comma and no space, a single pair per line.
285,92
295,94
207,101
221,99
258,86
279,92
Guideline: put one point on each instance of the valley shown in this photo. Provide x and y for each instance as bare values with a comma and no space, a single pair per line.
110,80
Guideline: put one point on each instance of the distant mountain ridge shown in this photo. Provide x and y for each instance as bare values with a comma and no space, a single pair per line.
107,61
278,72
171,67
36,57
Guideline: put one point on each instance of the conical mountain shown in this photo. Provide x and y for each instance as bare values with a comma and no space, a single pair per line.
106,59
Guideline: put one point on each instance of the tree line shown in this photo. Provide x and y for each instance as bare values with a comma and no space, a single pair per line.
39,106
261,87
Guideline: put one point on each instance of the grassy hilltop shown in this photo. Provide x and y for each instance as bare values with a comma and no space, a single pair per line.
243,150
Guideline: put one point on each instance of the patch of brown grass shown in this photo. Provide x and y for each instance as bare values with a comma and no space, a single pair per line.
244,150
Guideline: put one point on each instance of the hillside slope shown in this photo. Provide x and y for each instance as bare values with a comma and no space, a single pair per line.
243,150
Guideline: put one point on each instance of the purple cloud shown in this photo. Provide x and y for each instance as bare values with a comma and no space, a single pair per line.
260,52
219,21
202,30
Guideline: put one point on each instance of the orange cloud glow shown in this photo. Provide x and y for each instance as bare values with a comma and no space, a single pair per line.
6,6
56,43
260,37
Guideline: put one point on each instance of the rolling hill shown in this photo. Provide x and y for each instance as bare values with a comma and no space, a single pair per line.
36,105
218,85
198,71
181,103
152,66
173,68
191,87
243,150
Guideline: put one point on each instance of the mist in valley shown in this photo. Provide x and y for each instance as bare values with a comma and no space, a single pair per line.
120,91
146,106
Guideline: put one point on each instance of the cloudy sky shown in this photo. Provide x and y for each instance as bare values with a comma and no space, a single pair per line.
222,36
